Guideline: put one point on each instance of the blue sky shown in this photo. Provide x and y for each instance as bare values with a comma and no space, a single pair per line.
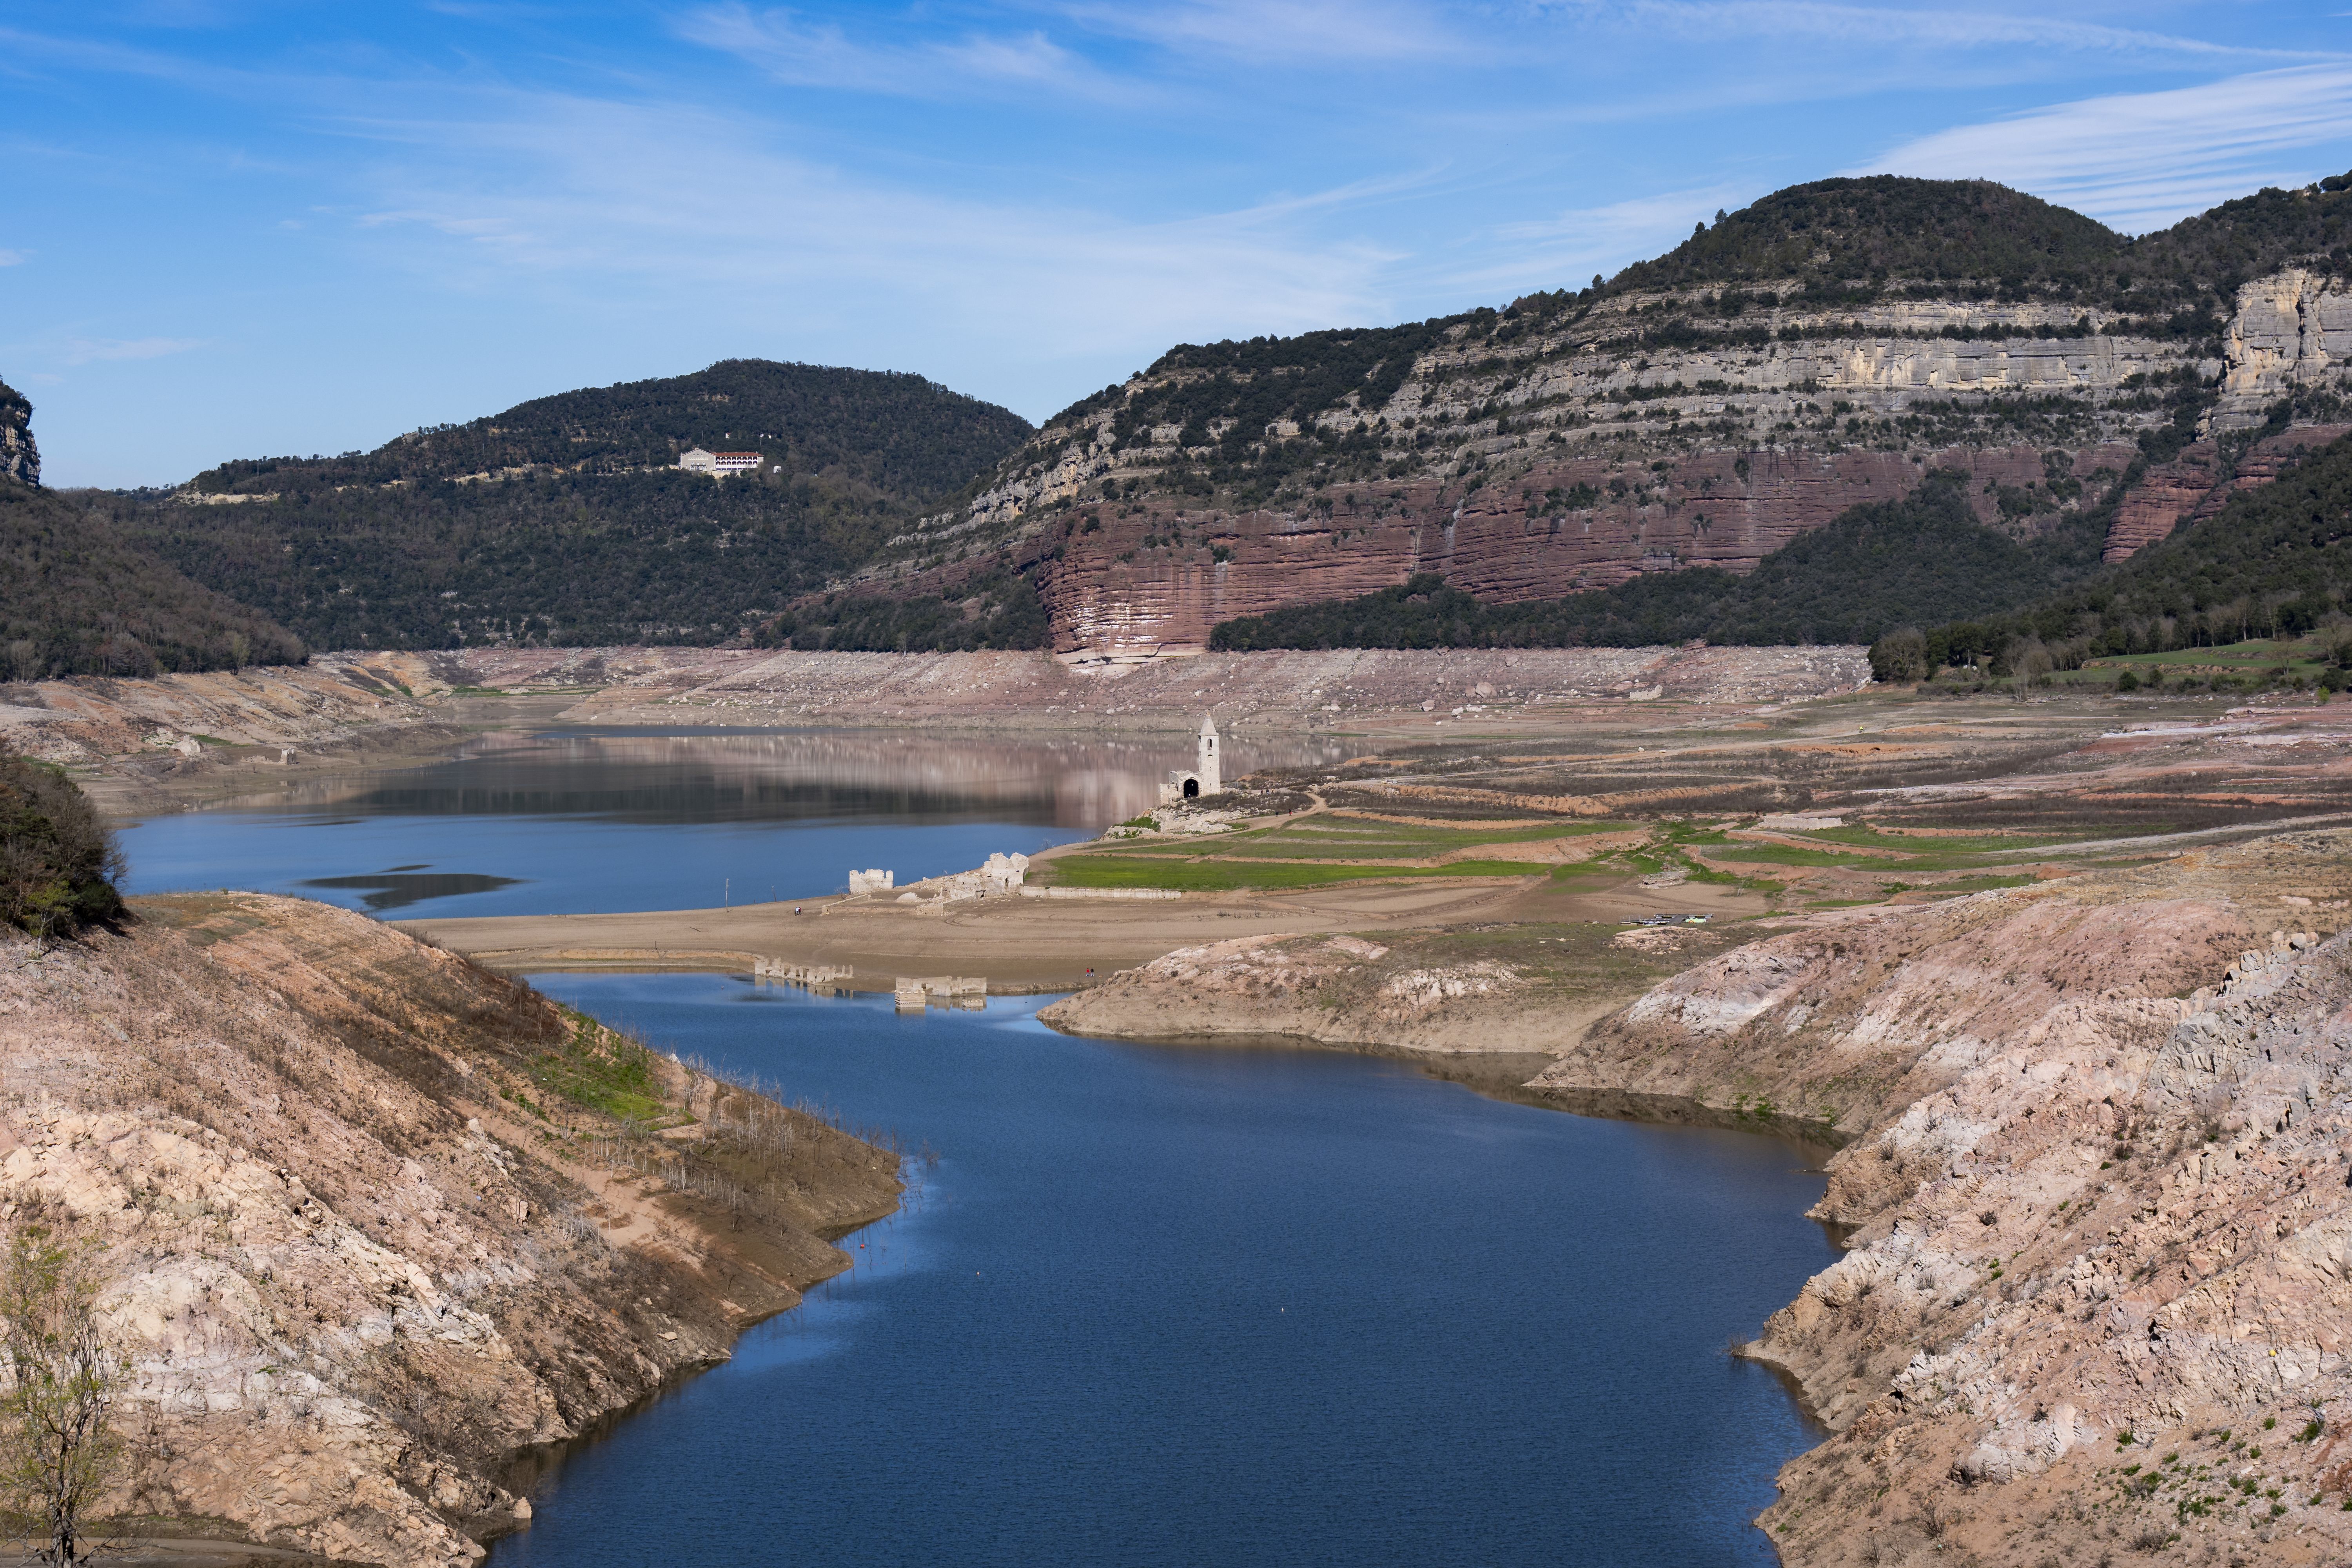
234,229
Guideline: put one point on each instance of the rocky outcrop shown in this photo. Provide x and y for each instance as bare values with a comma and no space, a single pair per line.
1331,990
19,459
2292,332
358,1246
1149,579
2166,493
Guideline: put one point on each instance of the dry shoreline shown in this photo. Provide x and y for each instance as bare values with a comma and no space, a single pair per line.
369,1229
1979,1067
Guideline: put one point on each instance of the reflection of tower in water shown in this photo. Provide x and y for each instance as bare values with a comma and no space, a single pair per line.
1206,777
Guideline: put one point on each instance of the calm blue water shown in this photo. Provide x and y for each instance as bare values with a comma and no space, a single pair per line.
1153,1305
400,866
575,822
1213,1306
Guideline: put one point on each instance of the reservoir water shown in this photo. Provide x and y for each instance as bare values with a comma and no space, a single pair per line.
1151,1305
574,821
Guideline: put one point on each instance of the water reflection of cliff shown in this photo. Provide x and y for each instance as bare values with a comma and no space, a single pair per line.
764,776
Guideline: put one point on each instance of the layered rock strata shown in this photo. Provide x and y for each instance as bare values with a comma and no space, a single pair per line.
359,1257
1597,447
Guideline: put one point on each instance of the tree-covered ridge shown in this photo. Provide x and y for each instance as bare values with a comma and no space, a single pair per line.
996,610
2274,561
1850,581
77,599
1854,241
899,434
583,532
1857,230
555,558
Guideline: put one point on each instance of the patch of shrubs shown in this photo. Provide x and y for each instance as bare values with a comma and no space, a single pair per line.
58,860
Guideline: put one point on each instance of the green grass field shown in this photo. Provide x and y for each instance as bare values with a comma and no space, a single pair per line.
1226,876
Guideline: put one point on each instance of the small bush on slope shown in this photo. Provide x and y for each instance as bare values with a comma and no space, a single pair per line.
58,860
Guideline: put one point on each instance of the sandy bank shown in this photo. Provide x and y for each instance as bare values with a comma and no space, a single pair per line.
1028,945
143,744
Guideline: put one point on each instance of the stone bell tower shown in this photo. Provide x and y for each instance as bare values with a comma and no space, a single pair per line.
1205,776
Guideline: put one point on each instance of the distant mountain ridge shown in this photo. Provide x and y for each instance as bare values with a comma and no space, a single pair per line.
564,520
1651,438
1827,347
899,434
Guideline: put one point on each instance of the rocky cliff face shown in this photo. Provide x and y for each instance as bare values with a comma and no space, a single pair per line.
358,1246
2096,1205
19,459
1553,449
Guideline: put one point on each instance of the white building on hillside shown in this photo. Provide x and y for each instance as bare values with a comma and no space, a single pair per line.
694,460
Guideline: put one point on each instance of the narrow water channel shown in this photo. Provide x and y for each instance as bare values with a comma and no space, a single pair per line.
1213,1305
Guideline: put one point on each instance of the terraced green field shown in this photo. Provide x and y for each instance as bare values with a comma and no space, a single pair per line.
1225,876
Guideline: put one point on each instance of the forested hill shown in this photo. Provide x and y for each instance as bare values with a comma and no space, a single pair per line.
76,598
901,435
2274,561
563,520
1854,241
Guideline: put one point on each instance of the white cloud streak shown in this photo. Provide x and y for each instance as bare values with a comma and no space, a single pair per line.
777,42
594,191
1286,32
1881,28
2141,161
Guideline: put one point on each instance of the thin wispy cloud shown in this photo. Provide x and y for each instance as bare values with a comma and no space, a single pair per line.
1289,32
2141,161
11,258
1880,28
81,350
591,190
823,55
